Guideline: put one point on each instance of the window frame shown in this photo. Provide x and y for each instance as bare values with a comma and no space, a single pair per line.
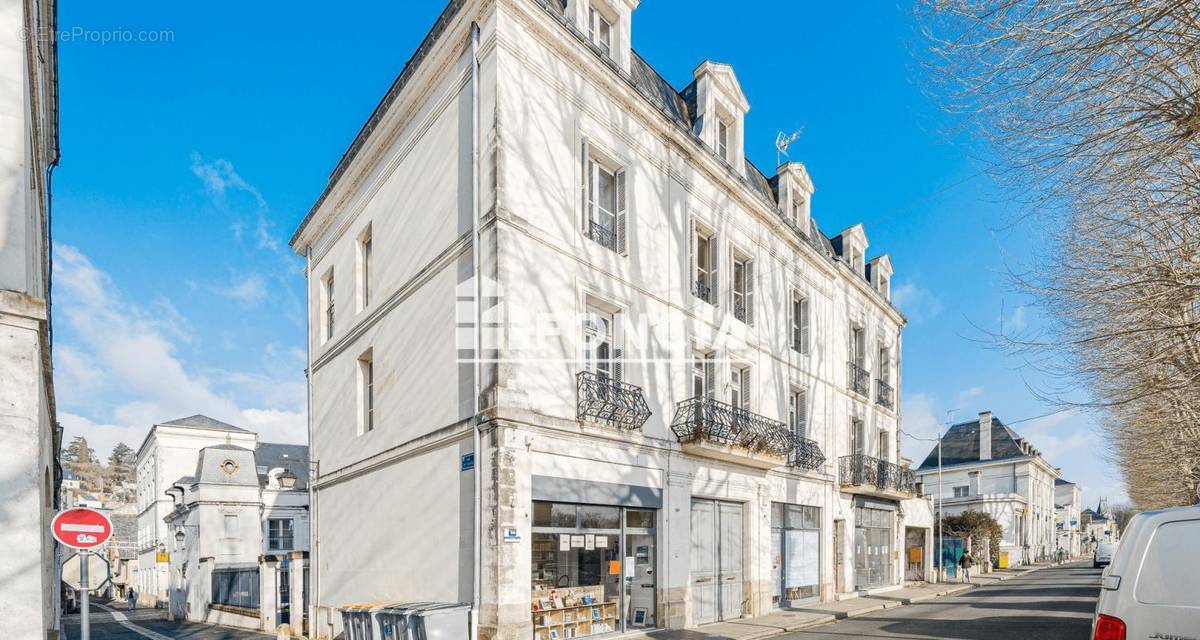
366,392
328,309
363,248
274,536
722,145
595,163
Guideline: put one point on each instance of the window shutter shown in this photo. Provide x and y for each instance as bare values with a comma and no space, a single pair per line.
792,333
804,322
802,413
583,185
692,268
750,292
621,210
710,376
714,283
746,389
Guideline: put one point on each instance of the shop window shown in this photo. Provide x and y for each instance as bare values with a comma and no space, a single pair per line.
554,514
593,517
638,519
796,553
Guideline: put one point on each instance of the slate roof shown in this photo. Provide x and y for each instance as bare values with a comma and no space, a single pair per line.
293,457
1058,482
199,421
960,445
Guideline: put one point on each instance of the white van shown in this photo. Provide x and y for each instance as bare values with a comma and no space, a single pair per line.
1103,555
1152,587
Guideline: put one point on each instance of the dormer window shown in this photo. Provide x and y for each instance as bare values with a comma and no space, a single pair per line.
723,140
884,288
600,31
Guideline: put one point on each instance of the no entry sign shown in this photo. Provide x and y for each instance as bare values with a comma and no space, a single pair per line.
81,528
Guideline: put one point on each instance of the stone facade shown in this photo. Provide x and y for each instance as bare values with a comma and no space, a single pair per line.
29,593
598,186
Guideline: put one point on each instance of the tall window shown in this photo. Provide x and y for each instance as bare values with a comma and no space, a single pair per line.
604,201
364,269
743,289
798,412
600,31
599,353
884,288
280,534
704,259
857,446
703,369
884,370
723,140
884,449
799,322
366,392
798,213
327,304
739,387
858,353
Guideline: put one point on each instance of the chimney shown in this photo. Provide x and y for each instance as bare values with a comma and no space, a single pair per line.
985,435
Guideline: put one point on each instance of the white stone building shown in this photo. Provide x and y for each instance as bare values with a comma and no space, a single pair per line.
28,428
1068,522
170,451
1099,525
238,535
987,467
688,395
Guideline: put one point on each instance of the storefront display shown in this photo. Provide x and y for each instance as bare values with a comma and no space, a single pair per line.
872,547
592,569
796,553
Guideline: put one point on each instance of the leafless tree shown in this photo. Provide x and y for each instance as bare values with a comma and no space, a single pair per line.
1090,109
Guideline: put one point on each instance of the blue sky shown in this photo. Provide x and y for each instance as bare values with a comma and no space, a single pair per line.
187,164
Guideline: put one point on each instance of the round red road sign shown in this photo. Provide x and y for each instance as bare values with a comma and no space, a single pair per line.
81,528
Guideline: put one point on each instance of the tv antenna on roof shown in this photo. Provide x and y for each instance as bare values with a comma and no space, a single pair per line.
782,141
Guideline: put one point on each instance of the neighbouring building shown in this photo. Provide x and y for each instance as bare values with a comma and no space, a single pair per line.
170,451
1068,521
688,395
987,467
122,551
29,151
1099,525
238,535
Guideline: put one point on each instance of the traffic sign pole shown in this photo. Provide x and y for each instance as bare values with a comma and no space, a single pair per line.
85,626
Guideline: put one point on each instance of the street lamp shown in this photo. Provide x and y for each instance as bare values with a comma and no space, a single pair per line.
287,479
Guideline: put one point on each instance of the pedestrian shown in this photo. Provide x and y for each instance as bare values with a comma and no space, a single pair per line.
965,563
131,596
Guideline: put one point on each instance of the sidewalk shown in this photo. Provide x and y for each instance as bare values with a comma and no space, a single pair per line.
826,612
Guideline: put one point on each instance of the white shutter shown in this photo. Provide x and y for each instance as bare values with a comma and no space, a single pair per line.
792,334
804,323
749,272
746,388
621,210
710,375
584,183
801,427
692,270
714,283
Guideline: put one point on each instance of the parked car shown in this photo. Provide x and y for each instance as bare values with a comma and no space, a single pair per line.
1150,588
1103,554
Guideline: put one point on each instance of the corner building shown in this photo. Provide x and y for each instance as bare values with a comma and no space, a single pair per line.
688,400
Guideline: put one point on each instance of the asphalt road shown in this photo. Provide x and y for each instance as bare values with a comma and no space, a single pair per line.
1050,604
116,623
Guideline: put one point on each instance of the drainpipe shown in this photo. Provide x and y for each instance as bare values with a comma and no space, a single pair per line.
314,470
476,439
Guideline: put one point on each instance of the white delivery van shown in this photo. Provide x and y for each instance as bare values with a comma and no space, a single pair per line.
1151,589
1103,555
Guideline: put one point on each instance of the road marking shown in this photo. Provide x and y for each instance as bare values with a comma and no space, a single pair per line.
124,621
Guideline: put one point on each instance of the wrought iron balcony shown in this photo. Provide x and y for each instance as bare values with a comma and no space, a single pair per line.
701,290
707,420
603,235
860,379
884,394
618,404
805,453
886,477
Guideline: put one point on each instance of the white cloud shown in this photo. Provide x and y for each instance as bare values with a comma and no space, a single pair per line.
967,395
123,372
220,179
249,289
1016,322
918,303
919,421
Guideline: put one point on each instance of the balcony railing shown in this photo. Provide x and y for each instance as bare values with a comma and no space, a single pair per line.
805,454
884,394
618,404
860,469
603,235
739,308
860,379
703,419
701,290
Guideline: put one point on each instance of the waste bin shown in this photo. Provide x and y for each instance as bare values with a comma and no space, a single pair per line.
360,620
423,621
440,621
